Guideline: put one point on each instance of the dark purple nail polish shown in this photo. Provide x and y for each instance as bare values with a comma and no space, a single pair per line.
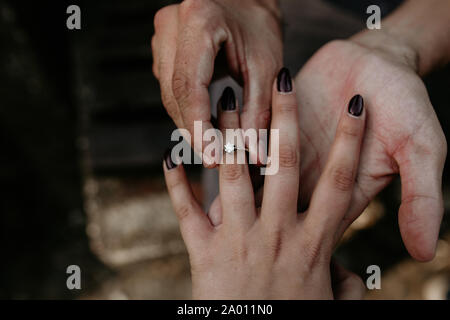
356,106
228,100
284,81
168,159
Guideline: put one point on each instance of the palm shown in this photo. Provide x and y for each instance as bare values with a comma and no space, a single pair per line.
402,131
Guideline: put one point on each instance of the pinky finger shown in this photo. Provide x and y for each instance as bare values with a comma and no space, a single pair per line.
194,223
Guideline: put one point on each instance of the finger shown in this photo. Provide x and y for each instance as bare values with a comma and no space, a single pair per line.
155,56
164,49
197,46
346,285
256,113
236,191
194,223
281,188
421,164
331,198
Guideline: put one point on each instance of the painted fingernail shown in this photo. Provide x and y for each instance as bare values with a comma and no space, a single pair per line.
284,81
356,106
168,159
228,100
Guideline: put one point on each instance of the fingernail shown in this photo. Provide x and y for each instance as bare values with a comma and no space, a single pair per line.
284,81
356,106
168,159
228,100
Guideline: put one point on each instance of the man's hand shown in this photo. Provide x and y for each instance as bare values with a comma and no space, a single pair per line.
403,134
187,40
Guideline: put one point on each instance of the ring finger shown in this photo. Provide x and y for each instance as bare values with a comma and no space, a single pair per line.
236,192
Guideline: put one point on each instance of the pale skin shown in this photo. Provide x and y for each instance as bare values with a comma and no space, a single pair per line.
403,133
265,249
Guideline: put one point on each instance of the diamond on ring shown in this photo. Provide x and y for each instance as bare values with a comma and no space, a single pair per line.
229,147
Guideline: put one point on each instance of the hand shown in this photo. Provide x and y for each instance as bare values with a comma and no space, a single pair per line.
186,42
271,251
403,134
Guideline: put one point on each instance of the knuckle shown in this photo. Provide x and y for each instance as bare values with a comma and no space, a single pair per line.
264,117
155,70
153,44
204,15
342,178
173,184
313,253
189,8
288,157
232,172
184,210
181,86
169,103
258,117
288,107
348,129
160,18
275,242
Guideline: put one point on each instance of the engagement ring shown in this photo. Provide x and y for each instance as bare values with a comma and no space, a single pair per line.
230,148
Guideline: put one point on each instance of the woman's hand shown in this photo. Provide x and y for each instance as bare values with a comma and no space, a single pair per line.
269,251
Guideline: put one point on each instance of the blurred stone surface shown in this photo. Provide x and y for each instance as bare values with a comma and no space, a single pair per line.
164,278
414,280
131,220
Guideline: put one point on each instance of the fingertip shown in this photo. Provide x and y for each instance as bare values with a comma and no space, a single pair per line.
284,81
356,106
352,121
419,222
423,253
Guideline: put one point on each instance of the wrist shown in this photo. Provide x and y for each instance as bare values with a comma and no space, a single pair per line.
390,44
419,30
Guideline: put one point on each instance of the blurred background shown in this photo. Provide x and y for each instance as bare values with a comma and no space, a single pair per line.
82,133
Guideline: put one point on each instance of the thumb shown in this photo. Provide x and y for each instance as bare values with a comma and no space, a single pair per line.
346,285
421,164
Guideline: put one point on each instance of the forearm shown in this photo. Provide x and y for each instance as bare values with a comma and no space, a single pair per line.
419,30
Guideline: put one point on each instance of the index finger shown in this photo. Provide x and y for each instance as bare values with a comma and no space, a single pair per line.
197,48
